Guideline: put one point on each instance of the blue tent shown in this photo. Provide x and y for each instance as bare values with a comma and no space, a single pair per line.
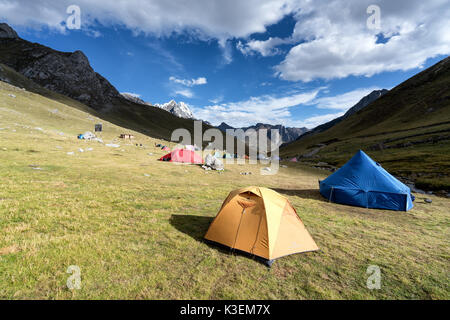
364,183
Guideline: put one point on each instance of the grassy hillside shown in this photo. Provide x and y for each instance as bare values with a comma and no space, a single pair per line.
134,225
407,130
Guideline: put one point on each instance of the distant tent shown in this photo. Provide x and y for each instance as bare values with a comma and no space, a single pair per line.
227,156
212,162
364,183
86,136
293,160
182,155
261,222
126,136
246,157
261,157
98,127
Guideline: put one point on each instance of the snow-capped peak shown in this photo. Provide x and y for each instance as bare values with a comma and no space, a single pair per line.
179,109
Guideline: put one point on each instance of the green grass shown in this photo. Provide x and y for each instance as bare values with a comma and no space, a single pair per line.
139,237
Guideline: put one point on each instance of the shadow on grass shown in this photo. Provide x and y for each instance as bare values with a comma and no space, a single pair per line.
196,227
193,226
312,194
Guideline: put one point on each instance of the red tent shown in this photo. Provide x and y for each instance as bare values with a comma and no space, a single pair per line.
182,155
293,159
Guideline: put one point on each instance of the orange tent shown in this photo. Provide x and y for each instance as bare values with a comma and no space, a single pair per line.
262,222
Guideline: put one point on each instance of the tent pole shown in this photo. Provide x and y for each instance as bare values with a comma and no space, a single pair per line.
239,226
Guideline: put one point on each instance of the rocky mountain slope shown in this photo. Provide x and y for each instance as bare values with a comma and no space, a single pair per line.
287,134
68,73
134,98
407,130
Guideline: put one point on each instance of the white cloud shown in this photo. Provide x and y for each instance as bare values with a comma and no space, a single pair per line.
189,83
343,101
263,47
314,121
337,43
185,93
217,99
213,19
330,39
93,33
277,109
266,109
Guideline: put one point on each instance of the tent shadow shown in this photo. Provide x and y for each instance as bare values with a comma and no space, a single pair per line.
196,227
311,194
193,226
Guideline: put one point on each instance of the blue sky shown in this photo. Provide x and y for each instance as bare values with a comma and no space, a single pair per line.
278,62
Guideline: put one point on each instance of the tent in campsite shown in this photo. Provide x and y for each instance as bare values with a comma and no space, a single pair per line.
212,163
261,157
293,160
363,182
261,222
182,155
227,156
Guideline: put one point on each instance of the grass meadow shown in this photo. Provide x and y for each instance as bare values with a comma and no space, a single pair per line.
134,225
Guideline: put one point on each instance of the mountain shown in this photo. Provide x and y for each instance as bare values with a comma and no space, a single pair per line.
68,73
69,77
223,127
134,98
407,130
364,102
179,109
287,134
